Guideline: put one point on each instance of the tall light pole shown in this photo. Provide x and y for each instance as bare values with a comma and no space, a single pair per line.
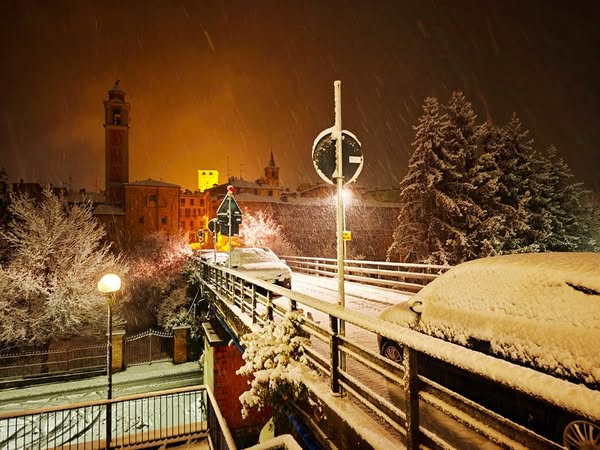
109,284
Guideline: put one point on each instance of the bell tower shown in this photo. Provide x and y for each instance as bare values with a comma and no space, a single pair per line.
271,173
116,141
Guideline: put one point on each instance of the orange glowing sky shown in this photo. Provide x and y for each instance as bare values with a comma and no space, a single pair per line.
221,84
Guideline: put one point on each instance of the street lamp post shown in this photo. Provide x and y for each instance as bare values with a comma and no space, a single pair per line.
109,284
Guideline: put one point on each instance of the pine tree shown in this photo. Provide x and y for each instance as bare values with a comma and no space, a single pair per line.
437,209
414,239
461,138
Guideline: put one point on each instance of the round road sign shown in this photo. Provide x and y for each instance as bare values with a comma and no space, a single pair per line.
325,161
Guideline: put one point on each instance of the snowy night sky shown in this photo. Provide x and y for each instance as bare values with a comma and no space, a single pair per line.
219,84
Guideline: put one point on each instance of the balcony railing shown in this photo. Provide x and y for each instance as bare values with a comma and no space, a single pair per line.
158,418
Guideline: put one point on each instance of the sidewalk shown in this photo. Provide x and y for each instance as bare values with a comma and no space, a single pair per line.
134,380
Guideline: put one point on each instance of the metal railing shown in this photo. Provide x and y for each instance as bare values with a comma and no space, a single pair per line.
157,418
404,277
43,364
416,389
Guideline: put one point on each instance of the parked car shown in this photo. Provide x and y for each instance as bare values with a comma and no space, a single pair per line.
540,310
212,256
262,263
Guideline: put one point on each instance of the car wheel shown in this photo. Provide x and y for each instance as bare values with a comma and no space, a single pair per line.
581,434
392,351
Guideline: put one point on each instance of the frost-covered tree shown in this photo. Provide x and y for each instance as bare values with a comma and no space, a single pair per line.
415,238
48,284
479,190
437,210
260,229
156,264
565,214
275,364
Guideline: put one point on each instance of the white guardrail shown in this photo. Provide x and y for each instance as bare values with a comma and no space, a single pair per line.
404,277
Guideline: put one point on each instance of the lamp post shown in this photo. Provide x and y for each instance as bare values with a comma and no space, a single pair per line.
109,284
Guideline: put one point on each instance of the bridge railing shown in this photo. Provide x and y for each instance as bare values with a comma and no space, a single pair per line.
263,301
404,277
153,419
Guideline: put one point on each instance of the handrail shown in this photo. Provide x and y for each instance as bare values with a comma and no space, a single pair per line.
404,277
239,290
163,417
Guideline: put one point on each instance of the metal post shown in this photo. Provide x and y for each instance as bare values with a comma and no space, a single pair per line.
109,371
229,239
340,208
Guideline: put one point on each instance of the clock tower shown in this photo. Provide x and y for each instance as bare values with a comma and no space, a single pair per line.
116,137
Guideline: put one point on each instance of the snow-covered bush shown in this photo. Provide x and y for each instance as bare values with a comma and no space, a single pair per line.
156,274
260,229
274,358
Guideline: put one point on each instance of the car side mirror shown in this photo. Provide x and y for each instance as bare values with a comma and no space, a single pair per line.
417,306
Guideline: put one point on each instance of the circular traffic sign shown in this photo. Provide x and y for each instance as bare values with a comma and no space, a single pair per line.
325,161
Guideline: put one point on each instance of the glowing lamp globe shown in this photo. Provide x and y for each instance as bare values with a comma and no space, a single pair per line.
109,283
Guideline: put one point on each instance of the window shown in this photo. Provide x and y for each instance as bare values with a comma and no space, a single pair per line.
187,212
270,194
152,199
164,220
141,219
182,202
117,117
191,202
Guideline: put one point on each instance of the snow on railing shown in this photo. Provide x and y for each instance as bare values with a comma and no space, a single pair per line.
164,417
255,301
404,277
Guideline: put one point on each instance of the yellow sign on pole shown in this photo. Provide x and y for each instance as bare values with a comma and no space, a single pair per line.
347,235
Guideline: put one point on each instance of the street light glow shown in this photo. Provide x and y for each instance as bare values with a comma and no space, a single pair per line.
109,283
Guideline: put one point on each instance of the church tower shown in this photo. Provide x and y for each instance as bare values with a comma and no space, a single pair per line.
272,173
116,137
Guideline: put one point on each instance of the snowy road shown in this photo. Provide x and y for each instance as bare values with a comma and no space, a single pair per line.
371,300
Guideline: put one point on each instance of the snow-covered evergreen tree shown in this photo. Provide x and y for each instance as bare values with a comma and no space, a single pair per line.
414,239
48,285
567,216
437,210
473,191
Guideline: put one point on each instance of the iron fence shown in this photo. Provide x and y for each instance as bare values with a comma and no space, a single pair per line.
159,418
52,363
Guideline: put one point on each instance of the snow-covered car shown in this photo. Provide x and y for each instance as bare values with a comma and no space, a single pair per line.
262,263
212,256
540,310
